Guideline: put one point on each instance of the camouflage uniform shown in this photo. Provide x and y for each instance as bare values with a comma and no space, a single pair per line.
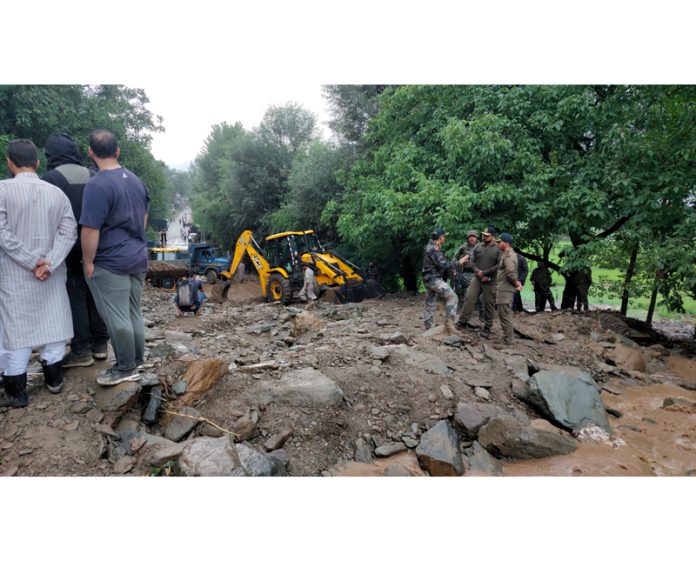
505,288
435,267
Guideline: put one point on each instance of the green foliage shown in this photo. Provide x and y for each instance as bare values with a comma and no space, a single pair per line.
537,161
36,111
241,178
352,107
312,185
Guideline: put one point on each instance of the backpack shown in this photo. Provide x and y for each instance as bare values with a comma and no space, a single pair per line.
185,293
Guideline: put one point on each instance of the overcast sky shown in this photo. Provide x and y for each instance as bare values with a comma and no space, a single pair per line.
189,110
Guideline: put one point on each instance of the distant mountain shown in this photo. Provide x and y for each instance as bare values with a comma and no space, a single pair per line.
181,167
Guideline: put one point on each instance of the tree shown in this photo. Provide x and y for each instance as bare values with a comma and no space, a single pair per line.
241,178
312,184
36,111
537,161
352,107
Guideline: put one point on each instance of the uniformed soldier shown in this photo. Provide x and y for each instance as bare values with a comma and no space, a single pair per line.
583,280
465,272
507,284
541,281
435,267
485,261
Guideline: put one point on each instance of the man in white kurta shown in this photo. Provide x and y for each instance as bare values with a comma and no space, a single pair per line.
37,231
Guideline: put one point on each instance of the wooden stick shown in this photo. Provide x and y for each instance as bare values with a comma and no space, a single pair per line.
170,412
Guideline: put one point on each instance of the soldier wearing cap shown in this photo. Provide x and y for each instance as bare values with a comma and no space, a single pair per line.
507,284
435,267
465,272
484,261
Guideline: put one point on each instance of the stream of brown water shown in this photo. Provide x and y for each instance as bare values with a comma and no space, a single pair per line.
658,441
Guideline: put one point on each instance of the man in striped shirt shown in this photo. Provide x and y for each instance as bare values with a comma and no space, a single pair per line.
37,230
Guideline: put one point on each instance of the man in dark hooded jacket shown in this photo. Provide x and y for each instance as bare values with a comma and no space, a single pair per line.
67,172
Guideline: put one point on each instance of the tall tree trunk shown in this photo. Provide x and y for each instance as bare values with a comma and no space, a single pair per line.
653,300
570,292
409,274
629,276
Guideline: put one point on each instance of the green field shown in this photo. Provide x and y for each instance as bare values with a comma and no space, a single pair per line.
637,307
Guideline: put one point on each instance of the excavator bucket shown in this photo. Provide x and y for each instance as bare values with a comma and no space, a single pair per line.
352,292
332,295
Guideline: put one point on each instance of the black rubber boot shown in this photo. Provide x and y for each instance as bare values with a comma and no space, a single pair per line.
53,376
15,391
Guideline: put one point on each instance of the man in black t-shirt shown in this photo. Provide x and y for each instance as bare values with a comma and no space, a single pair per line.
67,172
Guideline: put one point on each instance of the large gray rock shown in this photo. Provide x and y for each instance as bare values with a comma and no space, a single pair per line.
470,417
298,387
481,461
179,426
160,454
438,451
571,400
210,457
418,359
390,449
117,398
519,366
363,453
258,464
508,437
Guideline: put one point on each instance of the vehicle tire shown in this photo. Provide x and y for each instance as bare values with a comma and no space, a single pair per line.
279,289
211,275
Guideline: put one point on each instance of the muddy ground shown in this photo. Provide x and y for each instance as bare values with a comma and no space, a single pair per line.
384,400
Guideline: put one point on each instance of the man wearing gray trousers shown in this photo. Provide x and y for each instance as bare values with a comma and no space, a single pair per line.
114,254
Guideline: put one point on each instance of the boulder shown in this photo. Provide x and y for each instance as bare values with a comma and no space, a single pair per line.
438,451
159,454
180,426
211,457
418,359
117,398
306,386
390,449
363,453
569,400
470,417
480,461
258,464
508,437
519,366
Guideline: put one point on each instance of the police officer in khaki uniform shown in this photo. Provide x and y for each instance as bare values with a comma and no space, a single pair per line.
485,261
507,284
465,272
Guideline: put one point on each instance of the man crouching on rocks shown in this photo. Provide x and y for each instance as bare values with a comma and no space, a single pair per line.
435,267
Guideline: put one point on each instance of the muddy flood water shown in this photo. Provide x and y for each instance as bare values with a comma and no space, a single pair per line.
648,439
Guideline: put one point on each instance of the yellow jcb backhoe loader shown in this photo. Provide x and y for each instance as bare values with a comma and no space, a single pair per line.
280,268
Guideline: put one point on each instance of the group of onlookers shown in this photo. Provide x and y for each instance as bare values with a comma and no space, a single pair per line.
73,260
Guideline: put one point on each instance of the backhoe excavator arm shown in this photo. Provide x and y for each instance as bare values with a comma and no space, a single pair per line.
247,244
